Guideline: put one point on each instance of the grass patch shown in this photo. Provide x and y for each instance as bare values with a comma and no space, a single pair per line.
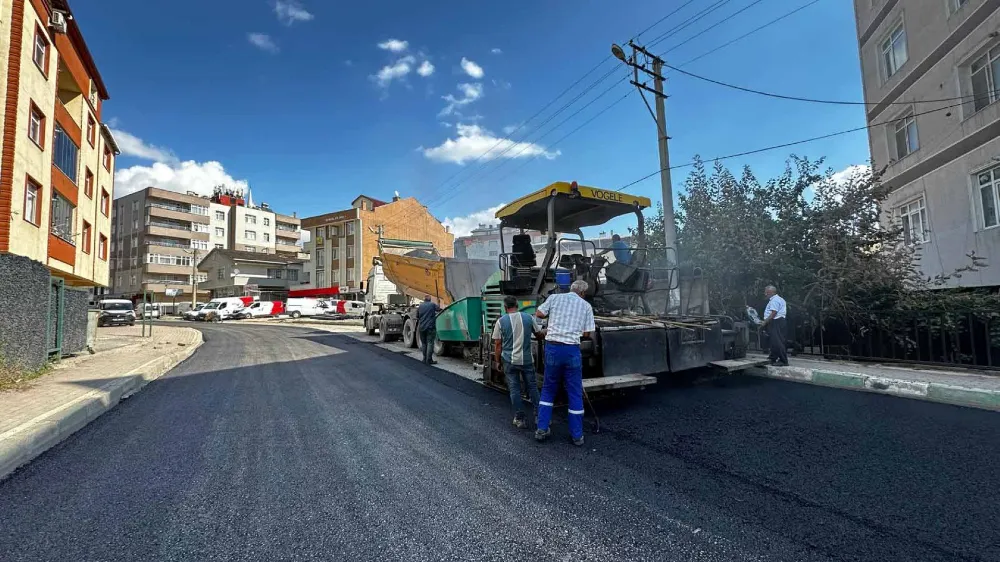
13,376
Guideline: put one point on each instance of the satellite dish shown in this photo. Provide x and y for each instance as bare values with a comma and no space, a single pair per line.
236,272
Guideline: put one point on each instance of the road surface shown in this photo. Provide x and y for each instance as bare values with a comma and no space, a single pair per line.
278,443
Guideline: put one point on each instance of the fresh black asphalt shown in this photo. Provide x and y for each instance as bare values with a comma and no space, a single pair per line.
275,443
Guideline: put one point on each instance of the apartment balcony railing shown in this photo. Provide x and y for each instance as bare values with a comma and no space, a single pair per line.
169,206
285,227
168,244
170,225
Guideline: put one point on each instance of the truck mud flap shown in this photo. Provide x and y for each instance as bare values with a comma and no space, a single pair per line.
626,350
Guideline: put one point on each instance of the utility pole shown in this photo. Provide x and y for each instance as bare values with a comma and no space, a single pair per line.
666,187
194,279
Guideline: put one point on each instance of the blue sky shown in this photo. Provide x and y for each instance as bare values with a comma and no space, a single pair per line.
313,102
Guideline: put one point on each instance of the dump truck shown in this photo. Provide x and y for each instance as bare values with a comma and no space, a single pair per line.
403,274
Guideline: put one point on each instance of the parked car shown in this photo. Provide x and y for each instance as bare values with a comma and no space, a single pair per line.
224,308
261,309
193,313
150,309
297,307
115,312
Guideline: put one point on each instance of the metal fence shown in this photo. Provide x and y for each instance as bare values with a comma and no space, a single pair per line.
968,338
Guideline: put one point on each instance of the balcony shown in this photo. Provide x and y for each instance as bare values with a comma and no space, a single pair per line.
175,212
174,230
167,269
285,235
283,248
164,243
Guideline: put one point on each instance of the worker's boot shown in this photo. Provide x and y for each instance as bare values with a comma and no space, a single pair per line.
542,434
578,441
519,420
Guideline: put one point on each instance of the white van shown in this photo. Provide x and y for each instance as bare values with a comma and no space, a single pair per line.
297,307
150,309
224,308
260,309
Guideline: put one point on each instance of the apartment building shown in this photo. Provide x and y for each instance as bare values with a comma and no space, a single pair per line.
160,237
483,243
930,72
234,273
343,243
58,158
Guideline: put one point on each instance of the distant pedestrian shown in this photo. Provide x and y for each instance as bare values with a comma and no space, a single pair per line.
512,349
426,324
570,319
775,324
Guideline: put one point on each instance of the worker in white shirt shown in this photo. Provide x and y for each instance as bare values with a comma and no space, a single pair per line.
570,318
775,324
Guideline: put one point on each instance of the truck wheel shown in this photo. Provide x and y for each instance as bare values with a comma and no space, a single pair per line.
441,349
410,337
369,326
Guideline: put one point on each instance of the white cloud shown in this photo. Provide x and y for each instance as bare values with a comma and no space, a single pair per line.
856,171
394,45
348,62
425,69
511,128
503,84
472,69
463,226
263,42
832,186
132,145
474,141
470,93
199,177
496,51
291,11
394,71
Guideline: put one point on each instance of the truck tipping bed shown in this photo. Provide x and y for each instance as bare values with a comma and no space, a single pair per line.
446,280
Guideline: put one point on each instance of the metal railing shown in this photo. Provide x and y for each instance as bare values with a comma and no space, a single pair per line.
967,338
170,225
169,207
167,244
285,227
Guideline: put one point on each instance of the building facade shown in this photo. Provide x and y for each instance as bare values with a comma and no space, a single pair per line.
234,273
58,158
930,71
483,243
343,243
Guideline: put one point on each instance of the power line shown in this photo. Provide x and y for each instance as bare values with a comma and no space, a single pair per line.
673,31
793,143
804,99
749,33
659,21
713,26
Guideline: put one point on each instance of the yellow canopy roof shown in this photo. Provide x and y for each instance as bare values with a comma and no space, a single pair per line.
577,206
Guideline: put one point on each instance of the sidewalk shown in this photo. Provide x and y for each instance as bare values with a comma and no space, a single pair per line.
81,388
971,389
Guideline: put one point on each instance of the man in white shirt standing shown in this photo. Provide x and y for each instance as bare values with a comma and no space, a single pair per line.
774,323
570,318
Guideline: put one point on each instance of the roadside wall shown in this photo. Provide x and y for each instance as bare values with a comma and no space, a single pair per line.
24,300
75,321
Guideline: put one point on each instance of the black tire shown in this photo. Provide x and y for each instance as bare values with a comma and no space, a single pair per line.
441,349
296,314
410,337
369,326
383,336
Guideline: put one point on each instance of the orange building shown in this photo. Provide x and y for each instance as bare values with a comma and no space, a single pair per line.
343,243
57,161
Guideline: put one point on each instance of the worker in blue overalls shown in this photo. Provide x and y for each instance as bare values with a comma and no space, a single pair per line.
570,318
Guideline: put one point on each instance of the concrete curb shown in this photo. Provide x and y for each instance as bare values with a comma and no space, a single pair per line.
931,391
20,445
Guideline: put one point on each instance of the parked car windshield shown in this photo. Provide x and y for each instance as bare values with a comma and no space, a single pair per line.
116,306
211,306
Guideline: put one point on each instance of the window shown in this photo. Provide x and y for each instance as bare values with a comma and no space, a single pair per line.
350,252
91,130
956,5
335,254
32,191
273,273
321,279
220,216
292,274
219,246
221,275
198,227
906,136
105,202
350,274
40,52
36,126
135,224
220,231
85,235
267,237
88,183
107,158
267,221
334,230
350,229
913,217
894,51
250,219
984,74
320,258
989,196
335,277
250,235
159,259
199,244
133,279
62,218
64,154
199,210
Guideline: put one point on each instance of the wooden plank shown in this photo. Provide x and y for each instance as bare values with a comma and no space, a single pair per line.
620,381
731,365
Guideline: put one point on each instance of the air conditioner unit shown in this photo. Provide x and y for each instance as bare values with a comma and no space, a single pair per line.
58,21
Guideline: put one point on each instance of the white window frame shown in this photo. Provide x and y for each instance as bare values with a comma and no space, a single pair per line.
334,254
320,278
991,58
350,252
250,219
35,125
350,275
886,50
335,277
220,216
250,235
40,50
320,254
267,237
267,221
903,125
993,173
905,213
350,229
219,231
